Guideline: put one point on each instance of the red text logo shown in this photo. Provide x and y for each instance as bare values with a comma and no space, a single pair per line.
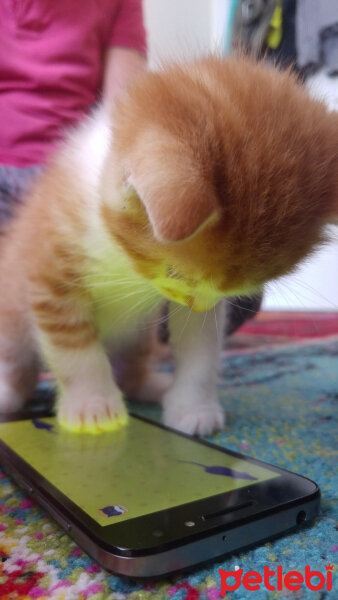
275,580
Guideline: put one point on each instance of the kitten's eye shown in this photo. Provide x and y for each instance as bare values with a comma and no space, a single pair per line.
173,273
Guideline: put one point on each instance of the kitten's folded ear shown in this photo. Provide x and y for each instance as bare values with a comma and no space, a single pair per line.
178,198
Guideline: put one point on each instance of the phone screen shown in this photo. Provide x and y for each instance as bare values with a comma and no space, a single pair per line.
138,470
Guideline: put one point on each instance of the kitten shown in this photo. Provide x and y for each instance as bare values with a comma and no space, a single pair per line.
208,180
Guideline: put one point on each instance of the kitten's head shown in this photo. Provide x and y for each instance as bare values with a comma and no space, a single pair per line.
227,175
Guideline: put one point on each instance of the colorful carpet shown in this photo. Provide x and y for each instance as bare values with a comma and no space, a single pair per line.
280,398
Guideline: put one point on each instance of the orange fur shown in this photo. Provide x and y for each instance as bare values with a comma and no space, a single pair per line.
219,173
266,152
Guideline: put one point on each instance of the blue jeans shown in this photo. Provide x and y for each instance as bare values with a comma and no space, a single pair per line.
15,183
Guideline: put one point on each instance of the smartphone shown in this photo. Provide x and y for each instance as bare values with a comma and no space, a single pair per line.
147,501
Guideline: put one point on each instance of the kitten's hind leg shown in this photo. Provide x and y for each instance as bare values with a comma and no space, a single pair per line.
136,366
192,404
19,362
89,400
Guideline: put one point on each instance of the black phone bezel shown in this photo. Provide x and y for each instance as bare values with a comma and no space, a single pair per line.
164,530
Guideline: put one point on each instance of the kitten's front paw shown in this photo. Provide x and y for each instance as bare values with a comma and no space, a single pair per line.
93,414
194,418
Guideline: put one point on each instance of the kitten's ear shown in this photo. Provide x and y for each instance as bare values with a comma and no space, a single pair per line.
179,201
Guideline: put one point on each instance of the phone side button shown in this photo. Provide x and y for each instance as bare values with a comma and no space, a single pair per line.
53,512
26,486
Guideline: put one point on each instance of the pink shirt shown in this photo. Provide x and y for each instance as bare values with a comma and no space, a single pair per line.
51,62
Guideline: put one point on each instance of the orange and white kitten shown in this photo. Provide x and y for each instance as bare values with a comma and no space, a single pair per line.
207,180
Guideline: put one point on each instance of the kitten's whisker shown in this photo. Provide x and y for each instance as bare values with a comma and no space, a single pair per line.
299,297
314,291
130,295
90,276
110,282
185,325
216,325
306,287
144,302
204,320
112,299
239,306
312,319
289,303
271,288
281,292
290,290
211,283
214,309
101,284
165,318
120,295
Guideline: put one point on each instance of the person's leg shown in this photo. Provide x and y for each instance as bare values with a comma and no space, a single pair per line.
15,182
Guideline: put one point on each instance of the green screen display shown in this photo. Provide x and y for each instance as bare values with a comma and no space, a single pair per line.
136,471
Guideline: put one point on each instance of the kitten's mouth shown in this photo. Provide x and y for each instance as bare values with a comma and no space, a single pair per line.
198,303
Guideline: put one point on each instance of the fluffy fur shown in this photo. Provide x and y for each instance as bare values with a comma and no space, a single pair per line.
207,180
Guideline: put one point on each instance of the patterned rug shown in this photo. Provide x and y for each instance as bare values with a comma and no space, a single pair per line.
279,391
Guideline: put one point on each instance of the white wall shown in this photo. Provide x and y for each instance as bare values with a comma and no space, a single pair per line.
186,28
315,284
183,28
177,29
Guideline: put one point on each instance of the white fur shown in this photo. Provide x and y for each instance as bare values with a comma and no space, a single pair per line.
88,391
192,404
115,287
88,148
122,297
